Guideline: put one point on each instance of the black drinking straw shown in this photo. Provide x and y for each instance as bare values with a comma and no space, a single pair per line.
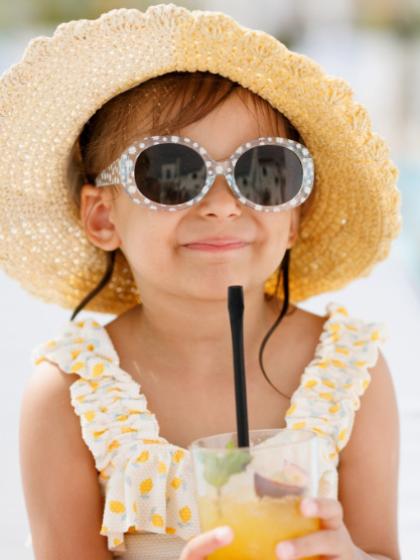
236,312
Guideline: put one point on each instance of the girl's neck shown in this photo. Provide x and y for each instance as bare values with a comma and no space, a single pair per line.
193,336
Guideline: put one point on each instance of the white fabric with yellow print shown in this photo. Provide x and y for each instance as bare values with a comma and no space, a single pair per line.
147,482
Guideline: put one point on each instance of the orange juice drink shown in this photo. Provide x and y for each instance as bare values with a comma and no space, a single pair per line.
258,525
256,490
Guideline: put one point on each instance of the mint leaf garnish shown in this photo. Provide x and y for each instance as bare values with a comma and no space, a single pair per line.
218,469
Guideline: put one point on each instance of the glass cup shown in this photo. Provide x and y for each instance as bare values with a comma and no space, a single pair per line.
256,490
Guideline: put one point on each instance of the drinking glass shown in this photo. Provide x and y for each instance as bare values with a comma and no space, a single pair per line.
256,490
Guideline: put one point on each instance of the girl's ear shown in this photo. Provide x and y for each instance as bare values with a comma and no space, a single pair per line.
96,215
294,226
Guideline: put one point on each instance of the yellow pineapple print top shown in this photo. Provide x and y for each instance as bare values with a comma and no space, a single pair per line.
148,482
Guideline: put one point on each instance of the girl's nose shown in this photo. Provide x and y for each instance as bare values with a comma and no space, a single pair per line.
220,200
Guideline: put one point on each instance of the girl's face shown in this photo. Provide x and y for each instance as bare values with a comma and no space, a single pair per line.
156,243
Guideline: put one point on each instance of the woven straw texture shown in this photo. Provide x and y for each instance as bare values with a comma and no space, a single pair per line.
62,80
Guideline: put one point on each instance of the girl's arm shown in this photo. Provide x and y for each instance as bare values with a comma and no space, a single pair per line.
61,489
368,471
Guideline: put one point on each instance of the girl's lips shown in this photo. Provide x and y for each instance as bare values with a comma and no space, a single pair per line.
216,248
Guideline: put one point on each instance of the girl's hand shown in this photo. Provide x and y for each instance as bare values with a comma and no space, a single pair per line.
205,543
333,541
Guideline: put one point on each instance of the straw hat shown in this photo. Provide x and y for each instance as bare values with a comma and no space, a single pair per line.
62,80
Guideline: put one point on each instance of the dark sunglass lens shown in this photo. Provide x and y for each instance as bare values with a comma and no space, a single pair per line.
170,173
269,175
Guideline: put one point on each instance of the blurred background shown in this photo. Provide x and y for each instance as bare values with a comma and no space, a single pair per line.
375,45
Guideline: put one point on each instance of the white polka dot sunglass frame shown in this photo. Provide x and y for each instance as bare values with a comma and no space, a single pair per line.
122,172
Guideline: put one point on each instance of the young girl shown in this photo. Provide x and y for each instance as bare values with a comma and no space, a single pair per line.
263,172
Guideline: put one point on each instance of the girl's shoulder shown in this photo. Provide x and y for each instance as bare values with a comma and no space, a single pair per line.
336,378
338,339
338,324
143,477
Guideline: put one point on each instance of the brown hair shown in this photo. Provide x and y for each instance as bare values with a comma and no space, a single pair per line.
159,106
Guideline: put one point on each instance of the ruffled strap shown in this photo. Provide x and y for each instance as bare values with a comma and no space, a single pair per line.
142,476
332,384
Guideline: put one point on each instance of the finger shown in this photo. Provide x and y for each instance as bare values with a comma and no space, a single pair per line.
324,543
206,543
328,510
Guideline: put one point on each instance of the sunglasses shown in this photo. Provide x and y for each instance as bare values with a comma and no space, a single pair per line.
174,173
